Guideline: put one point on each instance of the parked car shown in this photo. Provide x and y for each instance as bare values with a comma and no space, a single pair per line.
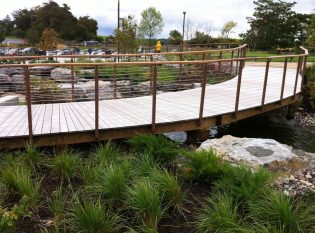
31,51
64,52
12,52
2,52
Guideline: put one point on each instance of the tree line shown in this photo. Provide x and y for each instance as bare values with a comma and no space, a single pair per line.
30,23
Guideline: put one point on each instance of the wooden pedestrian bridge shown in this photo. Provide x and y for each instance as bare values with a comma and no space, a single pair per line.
89,98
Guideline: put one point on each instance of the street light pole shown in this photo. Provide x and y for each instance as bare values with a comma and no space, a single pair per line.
118,27
183,35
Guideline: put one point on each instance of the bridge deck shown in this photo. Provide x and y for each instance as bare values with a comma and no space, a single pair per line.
129,112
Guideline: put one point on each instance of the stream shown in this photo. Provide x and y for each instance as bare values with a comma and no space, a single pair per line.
272,125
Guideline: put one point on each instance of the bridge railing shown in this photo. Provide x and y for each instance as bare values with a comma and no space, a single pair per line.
45,83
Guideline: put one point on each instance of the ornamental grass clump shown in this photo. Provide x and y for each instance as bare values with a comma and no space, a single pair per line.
203,167
107,153
32,156
93,216
143,200
219,213
169,188
274,210
243,183
17,179
112,182
159,147
65,165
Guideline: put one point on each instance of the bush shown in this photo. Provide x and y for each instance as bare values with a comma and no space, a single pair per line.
277,211
203,167
157,146
144,200
93,217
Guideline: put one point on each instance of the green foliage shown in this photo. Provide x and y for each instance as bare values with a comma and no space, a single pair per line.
144,200
219,214
107,153
243,183
112,181
159,147
93,217
32,156
17,178
151,23
169,188
269,25
126,37
309,89
32,22
65,165
277,211
49,39
175,37
227,29
203,167
311,32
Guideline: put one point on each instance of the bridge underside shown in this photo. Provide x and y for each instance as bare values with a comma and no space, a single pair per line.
70,123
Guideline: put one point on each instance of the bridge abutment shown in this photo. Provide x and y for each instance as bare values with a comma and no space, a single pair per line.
199,135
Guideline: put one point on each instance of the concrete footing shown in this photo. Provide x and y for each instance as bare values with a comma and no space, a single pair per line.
196,136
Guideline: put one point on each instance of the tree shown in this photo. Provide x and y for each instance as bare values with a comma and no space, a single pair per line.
86,28
126,37
151,23
49,39
311,32
175,37
274,24
227,29
200,38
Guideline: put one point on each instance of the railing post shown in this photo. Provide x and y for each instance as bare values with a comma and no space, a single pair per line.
180,66
72,81
96,79
303,71
297,76
28,103
238,90
231,66
220,57
151,74
283,79
237,62
265,83
115,81
203,91
154,81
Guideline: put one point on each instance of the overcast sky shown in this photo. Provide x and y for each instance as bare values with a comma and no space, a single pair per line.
204,14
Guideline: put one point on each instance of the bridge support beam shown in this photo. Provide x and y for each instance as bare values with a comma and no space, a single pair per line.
291,111
195,136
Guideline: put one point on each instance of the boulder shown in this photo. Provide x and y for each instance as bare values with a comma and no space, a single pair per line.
11,71
61,74
5,82
256,152
41,70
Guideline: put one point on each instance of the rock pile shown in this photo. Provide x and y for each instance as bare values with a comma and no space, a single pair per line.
305,120
296,185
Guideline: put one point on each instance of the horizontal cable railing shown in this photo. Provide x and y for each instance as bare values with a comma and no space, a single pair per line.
171,87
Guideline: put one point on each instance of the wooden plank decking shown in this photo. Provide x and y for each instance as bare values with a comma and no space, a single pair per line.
131,112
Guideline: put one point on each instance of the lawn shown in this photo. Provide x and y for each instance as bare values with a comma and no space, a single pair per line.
147,184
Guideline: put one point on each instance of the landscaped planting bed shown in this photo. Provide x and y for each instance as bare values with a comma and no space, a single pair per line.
146,184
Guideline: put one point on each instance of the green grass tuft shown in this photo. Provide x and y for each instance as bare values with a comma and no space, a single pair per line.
158,146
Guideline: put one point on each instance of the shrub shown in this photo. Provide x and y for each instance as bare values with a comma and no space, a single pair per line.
219,214
93,217
159,147
203,166
65,165
143,199
169,188
243,183
277,211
